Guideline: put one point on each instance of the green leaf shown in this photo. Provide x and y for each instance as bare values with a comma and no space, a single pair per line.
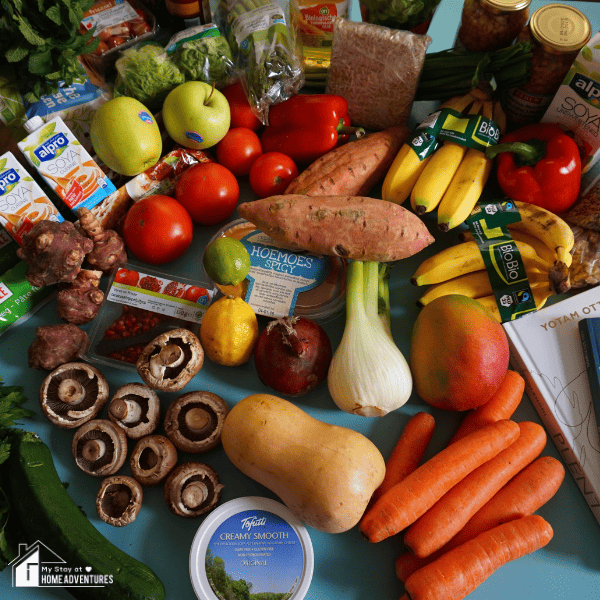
53,13
40,63
17,53
29,34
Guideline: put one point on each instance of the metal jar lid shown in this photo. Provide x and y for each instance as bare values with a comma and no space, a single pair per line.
505,5
560,27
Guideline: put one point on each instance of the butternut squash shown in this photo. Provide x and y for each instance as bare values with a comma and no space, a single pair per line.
324,473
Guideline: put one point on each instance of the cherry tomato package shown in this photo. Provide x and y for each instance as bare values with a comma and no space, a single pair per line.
119,24
140,304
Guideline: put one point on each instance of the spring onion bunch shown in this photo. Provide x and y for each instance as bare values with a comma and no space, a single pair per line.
368,375
456,71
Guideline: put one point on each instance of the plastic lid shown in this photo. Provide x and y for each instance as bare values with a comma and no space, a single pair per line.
560,27
507,5
258,540
32,124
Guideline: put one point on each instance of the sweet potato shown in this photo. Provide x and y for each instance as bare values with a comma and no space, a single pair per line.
352,227
352,169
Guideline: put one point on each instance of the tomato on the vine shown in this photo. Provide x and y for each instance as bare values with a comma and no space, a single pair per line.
271,173
127,277
242,114
209,192
238,150
157,229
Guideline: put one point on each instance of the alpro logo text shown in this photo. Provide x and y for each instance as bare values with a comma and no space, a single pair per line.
39,566
586,87
8,178
52,147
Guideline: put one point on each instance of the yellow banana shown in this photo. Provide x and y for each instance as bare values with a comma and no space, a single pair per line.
466,185
406,167
540,295
474,285
466,258
521,236
549,228
438,173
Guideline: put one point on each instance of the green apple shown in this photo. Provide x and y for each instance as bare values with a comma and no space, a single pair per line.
125,136
196,115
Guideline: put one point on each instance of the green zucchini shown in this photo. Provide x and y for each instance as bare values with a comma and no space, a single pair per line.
48,514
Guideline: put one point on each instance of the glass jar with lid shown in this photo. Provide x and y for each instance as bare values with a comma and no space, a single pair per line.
488,25
557,32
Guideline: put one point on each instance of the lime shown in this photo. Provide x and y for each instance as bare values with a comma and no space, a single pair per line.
226,261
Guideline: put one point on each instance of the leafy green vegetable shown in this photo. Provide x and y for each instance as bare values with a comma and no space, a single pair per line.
12,399
147,74
42,40
399,14
207,58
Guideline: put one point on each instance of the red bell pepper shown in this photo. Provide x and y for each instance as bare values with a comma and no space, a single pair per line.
539,164
306,127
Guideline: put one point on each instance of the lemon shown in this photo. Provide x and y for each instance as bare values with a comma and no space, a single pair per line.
229,331
226,261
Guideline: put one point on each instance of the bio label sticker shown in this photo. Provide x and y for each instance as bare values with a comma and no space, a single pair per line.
488,224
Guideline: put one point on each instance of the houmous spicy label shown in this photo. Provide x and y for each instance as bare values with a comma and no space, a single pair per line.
278,275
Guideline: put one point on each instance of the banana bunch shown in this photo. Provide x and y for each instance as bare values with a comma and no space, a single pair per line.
544,241
451,179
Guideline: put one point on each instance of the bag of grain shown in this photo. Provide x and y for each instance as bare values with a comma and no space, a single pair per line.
376,69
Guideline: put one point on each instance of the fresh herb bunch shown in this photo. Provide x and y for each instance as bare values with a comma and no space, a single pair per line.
42,40
399,14
456,71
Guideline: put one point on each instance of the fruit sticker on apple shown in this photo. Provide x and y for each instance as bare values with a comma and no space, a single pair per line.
196,115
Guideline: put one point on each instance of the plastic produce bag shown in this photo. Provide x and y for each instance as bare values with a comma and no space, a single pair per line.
376,69
202,53
146,73
266,51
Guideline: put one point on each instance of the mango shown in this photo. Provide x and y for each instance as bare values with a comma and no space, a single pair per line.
458,353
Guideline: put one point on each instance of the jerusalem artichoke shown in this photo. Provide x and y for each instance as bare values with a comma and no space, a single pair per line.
79,301
56,345
109,248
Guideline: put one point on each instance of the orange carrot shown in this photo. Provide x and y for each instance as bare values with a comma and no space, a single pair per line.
451,513
521,496
404,503
500,406
461,570
408,451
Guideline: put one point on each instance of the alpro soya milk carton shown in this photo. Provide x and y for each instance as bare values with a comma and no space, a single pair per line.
576,107
64,163
22,201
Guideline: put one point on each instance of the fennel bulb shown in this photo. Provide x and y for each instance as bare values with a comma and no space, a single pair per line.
368,375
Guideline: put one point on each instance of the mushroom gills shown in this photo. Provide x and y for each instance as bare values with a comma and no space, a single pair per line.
198,422
168,362
95,449
72,393
197,493
116,499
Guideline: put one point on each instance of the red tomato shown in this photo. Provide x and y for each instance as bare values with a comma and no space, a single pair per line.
271,173
115,41
139,28
238,150
209,192
196,294
127,277
241,111
157,229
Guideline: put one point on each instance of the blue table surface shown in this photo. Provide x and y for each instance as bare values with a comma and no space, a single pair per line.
346,566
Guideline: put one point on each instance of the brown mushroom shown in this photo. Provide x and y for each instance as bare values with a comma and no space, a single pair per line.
194,421
171,360
119,500
152,459
192,489
73,394
99,447
136,409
